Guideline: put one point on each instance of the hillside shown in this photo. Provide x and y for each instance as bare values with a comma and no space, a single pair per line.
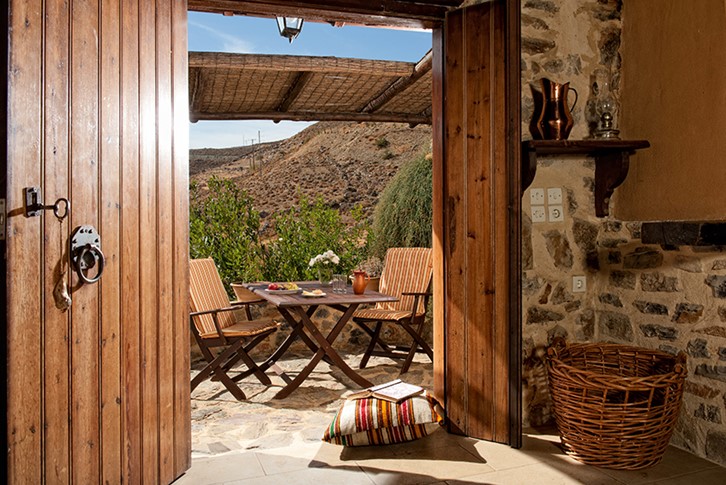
345,163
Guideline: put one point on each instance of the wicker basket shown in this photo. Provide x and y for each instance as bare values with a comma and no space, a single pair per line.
615,406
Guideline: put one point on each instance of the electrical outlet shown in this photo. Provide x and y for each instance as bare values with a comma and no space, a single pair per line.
554,196
556,214
579,284
536,196
538,213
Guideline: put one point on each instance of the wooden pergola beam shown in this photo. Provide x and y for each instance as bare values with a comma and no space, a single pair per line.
416,119
388,13
322,64
298,84
399,85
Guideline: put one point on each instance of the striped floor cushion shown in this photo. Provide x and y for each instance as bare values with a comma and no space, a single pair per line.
372,421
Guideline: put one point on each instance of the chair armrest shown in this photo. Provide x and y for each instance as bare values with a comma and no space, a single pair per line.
250,302
215,311
415,293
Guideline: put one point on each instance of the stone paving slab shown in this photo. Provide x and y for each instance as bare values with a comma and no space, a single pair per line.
221,424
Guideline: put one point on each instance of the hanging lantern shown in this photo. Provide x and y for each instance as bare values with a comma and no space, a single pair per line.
289,27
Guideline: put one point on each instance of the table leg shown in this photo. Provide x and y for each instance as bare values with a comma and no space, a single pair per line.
297,331
325,349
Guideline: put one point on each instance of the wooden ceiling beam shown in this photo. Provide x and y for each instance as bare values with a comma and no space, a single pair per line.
265,62
415,119
399,85
298,84
391,13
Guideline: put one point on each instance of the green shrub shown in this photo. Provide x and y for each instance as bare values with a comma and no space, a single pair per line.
225,226
382,143
403,215
309,230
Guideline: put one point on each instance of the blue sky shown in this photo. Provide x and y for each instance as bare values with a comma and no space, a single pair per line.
250,35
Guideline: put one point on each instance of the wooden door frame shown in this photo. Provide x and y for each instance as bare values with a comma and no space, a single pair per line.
401,14
3,246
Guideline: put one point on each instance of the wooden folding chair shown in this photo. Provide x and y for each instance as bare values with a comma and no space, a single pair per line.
214,324
407,274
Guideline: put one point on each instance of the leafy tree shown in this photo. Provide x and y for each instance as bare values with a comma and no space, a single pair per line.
225,226
403,215
308,230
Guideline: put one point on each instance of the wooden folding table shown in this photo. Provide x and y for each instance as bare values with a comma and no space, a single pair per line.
298,311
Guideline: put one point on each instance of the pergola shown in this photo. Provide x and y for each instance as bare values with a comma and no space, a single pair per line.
225,86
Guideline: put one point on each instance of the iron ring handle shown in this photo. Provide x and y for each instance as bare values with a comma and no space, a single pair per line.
93,249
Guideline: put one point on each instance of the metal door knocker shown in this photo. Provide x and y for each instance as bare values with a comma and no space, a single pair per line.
86,253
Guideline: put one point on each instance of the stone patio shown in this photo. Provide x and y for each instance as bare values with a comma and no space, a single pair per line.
221,424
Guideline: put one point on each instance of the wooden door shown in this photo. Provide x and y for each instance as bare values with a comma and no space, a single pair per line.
98,113
476,220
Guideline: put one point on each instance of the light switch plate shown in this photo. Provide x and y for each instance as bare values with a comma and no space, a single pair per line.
538,213
556,213
554,196
536,196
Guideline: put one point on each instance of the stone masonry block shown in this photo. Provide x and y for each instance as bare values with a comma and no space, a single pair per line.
698,348
718,285
658,282
616,325
650,308
659,331
687,313
643,258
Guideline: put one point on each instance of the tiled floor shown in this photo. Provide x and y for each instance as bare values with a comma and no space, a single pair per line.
438,459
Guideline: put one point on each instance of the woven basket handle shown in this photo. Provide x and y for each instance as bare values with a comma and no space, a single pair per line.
681,368
558,344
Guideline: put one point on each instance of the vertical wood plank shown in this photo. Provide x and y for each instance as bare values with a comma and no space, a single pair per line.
24,295
479,224
439,233
110,230
165,241
85,432
129,263
56,265
513,80
501,263
455,225
148,239
180,251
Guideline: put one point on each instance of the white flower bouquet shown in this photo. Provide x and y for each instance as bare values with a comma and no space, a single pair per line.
325,259
324,263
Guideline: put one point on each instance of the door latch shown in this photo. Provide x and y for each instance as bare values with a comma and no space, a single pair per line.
34,204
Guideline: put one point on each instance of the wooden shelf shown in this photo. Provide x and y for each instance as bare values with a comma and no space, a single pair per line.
612,160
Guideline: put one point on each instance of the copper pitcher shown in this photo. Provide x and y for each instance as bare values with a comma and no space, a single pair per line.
552,117
360,281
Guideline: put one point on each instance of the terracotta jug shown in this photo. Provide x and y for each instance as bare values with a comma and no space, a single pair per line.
360,281
552,116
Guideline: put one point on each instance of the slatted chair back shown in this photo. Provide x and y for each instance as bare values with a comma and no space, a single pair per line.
406,270
207,292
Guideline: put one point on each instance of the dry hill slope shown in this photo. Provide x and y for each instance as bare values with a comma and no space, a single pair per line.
345,163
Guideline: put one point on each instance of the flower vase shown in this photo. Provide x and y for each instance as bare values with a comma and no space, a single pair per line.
325,275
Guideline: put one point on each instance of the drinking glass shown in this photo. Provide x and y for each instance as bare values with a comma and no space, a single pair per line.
338,283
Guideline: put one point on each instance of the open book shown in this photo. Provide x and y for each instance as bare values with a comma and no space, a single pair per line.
394,391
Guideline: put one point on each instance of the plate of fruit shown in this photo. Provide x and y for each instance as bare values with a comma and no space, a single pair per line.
283,288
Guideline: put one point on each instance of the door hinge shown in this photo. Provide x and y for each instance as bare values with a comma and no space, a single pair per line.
3,219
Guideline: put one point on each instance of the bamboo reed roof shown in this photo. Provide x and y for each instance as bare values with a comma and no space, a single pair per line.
224,86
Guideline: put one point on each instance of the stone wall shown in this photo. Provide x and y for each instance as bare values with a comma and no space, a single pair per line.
668,298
